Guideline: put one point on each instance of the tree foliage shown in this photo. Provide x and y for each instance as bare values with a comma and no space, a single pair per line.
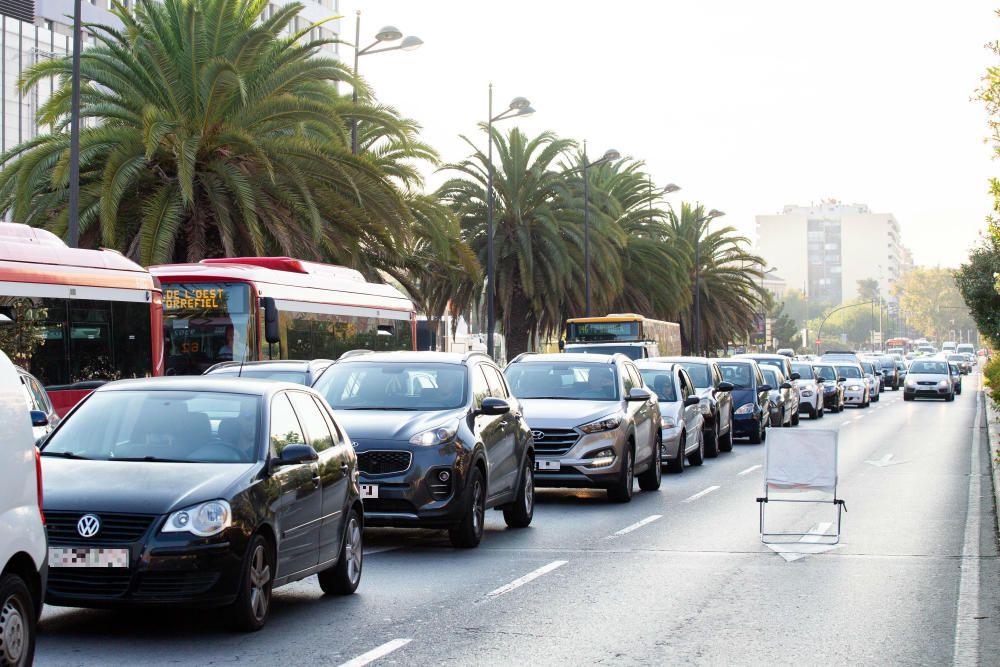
932,304
977,282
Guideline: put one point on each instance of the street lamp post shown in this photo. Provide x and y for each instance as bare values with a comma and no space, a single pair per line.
714,213
519,106
665,190
386,34
74,129
609,156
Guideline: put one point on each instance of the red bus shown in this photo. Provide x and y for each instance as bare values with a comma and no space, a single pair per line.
76,318
255,308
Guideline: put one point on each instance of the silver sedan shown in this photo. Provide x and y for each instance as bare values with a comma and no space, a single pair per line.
681,420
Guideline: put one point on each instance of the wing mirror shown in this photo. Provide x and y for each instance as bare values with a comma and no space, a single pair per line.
841,379
765,387
493,406
638,394
786,385
272,333
294,455
691,401
725,386
39,418
820,380
795,376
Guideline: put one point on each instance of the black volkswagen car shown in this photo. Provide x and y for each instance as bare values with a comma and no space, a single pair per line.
200,491
439,439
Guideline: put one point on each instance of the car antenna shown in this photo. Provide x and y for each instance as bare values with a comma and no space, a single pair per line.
246,351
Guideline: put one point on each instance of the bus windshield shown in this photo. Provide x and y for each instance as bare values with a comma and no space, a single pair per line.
602,332
203,324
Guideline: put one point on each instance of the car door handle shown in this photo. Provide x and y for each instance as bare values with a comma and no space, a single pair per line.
316,481
503,423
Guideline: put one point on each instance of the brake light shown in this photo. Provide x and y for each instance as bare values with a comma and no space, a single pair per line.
38,482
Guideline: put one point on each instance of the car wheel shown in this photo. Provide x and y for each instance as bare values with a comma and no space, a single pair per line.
253,603
878,397
519,513
17,622
958,391
795,417
469,530
650,480
621,491
821,412
757,436
677,465
726,441
697,457
776,420
907,397
712,441
950,397
344,577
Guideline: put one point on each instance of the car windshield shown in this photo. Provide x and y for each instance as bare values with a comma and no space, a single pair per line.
869,369
171,426
826,372
660,382
770,377
805,371
298,377
887,363
634,352
393,385
573,381
849,371
929,367
699,374
737,374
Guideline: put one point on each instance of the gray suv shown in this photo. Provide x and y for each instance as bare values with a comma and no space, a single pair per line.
594,422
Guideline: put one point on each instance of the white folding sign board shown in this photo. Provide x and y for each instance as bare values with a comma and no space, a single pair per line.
801,459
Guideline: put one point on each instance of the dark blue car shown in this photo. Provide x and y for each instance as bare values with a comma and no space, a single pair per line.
750,398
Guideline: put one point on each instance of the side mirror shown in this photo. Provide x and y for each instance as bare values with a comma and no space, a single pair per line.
691,401
765,387
494,406
796,376
725,386
40,440
295,454
39,418
639,394
820,380
272,333
786,385
562,345
841,379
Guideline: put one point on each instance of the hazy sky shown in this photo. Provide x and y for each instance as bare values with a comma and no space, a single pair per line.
747,105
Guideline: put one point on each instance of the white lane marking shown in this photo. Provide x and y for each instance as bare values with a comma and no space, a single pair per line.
858,418
521,581
807,544
749,470
884,461
816,533
378,550
700,494
843,424
635,526
376,653
966,626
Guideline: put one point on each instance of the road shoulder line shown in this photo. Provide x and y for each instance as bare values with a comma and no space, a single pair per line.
966,650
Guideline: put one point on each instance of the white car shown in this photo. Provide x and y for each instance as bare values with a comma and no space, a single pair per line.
873,379
22,530
681,421
810,393
855,387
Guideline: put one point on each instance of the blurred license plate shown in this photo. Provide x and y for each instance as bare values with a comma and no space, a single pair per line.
546,465
369,490
87,557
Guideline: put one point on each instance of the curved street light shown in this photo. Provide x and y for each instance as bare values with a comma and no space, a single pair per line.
819,334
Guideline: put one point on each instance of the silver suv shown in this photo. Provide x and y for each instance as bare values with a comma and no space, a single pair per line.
594,422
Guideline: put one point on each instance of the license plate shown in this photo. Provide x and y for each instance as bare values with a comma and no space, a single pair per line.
87,557
369,490
546,465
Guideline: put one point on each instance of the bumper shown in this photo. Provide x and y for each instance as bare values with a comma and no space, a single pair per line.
671,448
854,397
745,426
576,466
927,392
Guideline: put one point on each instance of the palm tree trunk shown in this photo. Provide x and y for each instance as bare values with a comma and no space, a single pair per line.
520,322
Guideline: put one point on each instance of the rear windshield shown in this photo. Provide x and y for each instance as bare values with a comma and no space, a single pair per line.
559,380
393,386
956,357
699,374
660,382
849,371
929,367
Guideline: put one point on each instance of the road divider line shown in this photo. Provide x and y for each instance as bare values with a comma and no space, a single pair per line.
701,494
376,653
531,576
749,470
635,526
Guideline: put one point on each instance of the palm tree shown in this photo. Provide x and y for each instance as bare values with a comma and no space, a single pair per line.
729,278
216,135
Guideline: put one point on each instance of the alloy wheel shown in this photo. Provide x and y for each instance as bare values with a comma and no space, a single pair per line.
13,632
478,508
354,551
260,579
529,491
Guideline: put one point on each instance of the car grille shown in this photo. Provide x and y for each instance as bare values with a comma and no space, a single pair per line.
115,528
927,384
88,582
175,584
554,441
384,462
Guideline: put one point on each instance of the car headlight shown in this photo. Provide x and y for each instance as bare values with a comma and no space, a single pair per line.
745,409
806,393
667,422
854,387
435,436
203,520
943,383
609,423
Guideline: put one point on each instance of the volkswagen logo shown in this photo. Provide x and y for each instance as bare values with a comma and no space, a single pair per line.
88,525
538,435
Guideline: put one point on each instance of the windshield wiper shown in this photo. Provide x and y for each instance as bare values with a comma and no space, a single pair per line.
65,455
157,459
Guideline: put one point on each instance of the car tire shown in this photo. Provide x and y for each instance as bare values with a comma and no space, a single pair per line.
950,397
795,417
907,397
621,491
250,610
653,477
726,441
676,466
878,397
520,512
712,443
344,577
697,457
467,533
820,412
757,436
18,622
958,391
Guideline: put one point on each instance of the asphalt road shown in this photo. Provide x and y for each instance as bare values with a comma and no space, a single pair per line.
677,576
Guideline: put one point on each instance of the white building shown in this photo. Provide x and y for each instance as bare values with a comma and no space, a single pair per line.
830,246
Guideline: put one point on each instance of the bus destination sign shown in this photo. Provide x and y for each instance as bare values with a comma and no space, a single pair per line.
183,299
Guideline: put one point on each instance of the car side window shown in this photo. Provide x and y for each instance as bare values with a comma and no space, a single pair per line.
40,396
685,384
285,428
759,376
480,387
312,419
716,376
338,435
635,376
496,384
29,399
627,381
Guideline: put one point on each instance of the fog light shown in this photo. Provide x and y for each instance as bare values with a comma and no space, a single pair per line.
444,475
602,459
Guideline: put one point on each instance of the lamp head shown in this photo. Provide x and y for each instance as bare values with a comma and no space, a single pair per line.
671,187
411,42
611,155
520,103
525,111
389,33
715,213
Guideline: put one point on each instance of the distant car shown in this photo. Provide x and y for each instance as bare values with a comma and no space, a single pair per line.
784,364
948,347
199,491
901,370
283,370
929,378
873,378
890,374
750,396
681,421
786,352
22,536
856,390
956,376
44,417
716,401
810,392
833,389
840,355
961,361
594,422
966,348
780,396
440,439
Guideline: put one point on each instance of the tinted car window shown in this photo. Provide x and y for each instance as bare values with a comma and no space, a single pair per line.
770,377
312,420
849,371
285,427
805,371
495,381
572,381
394,386
826,372
634,375
661,383
737,374
699,374
480,388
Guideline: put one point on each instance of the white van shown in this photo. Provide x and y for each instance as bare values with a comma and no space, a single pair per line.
22,527
948,346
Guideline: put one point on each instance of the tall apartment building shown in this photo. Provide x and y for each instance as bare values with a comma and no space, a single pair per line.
827,248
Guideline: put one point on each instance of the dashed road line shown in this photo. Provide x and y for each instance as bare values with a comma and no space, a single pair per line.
376,653
749,470
635,526
701,494
521,581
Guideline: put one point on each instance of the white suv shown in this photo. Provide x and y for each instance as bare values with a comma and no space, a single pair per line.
22,529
